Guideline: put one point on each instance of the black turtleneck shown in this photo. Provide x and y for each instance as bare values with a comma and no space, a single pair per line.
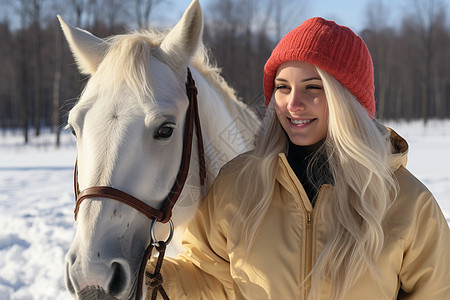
299,158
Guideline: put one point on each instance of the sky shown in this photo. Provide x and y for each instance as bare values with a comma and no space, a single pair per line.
351,13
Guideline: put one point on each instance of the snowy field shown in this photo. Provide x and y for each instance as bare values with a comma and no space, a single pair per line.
36,203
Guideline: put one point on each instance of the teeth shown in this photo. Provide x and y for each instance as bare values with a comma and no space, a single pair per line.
299,122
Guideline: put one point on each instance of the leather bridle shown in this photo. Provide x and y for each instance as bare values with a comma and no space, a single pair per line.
164,213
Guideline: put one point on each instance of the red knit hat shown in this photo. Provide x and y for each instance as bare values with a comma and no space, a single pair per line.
331,47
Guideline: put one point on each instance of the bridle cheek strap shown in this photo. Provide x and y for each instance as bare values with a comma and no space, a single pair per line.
192,117
165,212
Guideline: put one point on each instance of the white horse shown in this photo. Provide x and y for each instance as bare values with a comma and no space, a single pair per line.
129,125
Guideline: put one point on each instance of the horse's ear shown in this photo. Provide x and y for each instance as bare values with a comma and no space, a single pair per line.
87,49
182,41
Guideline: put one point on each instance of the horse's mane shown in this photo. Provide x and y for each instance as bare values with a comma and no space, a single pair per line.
127,60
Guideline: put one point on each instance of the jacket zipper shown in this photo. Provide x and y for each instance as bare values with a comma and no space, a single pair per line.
308,260
309,226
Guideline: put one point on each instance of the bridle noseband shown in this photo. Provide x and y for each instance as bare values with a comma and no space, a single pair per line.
164,213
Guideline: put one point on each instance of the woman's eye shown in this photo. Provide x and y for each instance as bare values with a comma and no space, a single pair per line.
281,87
165,131
314,87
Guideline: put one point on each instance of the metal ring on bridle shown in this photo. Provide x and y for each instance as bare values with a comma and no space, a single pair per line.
154,242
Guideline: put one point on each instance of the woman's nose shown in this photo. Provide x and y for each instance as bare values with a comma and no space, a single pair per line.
296,101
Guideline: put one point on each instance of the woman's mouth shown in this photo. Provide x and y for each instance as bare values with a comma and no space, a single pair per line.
300,123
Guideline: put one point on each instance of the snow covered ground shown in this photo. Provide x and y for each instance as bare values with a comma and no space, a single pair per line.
36,203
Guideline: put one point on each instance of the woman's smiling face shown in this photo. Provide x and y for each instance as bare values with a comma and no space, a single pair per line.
300,103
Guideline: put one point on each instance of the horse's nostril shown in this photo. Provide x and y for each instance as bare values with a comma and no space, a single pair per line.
72,258
118,280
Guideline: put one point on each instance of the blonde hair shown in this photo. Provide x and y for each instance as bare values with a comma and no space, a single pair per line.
357,150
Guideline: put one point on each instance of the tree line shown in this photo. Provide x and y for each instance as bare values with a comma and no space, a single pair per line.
40,82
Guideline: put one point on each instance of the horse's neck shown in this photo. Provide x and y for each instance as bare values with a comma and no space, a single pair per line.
228,126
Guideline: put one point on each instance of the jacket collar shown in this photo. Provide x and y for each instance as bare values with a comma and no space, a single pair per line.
287,178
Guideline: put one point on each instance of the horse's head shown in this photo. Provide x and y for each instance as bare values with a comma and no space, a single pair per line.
129,126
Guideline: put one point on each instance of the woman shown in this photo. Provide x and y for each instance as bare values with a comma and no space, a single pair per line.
323,208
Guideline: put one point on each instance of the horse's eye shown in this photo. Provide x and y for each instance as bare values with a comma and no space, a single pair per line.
165,131
68,127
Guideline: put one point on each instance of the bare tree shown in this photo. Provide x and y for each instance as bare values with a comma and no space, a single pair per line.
57,81
36,21
440,64
143,9
113,10
6,92
404,74
429,15
286,15
247,15
80,7
222,36
21,8
378,36
93,13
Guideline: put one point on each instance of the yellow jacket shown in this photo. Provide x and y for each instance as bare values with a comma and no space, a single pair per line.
415,259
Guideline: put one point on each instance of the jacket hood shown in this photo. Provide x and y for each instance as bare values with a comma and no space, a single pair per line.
399,156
